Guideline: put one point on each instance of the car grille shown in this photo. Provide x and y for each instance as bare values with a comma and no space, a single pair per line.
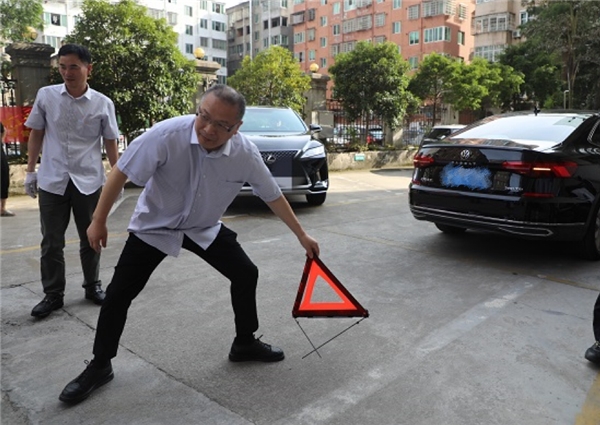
277,155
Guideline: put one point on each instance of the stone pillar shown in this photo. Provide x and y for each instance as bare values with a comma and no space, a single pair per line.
315,109
208,77
31,69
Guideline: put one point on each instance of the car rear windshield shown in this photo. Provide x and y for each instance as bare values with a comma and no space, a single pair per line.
552,128
272,120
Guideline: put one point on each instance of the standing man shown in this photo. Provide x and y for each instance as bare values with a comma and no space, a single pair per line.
69,121
191,169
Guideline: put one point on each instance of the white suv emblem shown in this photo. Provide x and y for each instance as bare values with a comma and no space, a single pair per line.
270,159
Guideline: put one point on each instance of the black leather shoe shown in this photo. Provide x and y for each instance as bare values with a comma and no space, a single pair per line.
256,351
47,306
95,293
593,353
81,387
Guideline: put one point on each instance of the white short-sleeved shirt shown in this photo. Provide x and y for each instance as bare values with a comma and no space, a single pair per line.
74,128
188,189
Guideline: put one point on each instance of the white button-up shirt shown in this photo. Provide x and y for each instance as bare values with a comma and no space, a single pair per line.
73,132
187,189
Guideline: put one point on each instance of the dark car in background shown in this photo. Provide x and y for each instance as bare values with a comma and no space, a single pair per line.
531,175
438,132
289,148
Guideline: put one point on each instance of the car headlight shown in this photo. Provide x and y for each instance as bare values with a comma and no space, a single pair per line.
314,152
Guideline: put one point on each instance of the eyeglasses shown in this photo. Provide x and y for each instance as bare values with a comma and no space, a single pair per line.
206,120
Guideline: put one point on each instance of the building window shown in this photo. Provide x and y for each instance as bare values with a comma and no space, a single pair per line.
380,19
53,41
310,34
219,44
413,62
256,35
335,49
220,61
189,30
323,63
172,18
336,29
284,4
323,41
396,27
204,23
397,4
431,35
276,40
189,48
219,26
490,53
311,55
188,11
461,38
299,37
218,8
413,37
203,4
349,5
265,42
285,40
523,17
462,11
336,8
379,39
413,12
312,14
323,21
204,41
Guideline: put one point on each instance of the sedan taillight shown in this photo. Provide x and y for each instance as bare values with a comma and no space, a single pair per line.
541,169
422,161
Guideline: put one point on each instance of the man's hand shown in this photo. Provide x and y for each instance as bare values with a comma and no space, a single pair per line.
97,235
310,245
31,187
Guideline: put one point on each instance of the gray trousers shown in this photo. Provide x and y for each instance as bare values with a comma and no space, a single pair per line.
55,213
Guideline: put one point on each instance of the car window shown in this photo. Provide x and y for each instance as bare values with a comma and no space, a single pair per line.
272,120
526,127
438,133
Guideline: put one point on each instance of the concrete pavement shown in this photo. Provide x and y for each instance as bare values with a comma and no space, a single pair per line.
463,331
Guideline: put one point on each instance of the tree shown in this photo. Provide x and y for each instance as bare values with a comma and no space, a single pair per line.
540,69
18,17
372,80
272,78
434,79
569,29
136,63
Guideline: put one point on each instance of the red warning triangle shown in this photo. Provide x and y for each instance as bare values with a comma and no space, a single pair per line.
305,307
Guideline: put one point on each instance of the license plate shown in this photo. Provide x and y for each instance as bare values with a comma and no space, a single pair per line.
472,178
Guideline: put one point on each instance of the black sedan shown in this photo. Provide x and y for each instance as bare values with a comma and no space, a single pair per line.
531,175
297,160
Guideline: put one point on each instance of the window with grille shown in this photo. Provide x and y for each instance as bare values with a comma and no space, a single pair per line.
413,12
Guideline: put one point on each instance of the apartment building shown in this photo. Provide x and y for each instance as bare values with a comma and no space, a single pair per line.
256,25
199,23
496,25
325,28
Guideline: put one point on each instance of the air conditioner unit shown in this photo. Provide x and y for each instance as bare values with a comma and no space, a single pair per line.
517,34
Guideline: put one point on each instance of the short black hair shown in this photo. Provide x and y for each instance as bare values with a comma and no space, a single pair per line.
82,52
228,95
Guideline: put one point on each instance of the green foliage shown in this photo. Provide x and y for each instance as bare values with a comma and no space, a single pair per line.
273,78
17,15
570,30
136,63
540,69
372,79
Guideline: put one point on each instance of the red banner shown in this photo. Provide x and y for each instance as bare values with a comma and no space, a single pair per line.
13,118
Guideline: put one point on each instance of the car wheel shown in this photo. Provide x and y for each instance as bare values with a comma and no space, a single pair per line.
453,230
316,198
590,246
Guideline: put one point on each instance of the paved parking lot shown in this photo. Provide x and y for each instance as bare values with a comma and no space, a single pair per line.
470,330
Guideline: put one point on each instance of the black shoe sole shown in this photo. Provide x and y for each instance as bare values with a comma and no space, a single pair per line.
94,299
75,400
237,359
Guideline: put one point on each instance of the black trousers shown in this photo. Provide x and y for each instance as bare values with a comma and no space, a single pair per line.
137,262
5,173
55,214
596,322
